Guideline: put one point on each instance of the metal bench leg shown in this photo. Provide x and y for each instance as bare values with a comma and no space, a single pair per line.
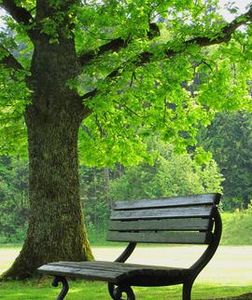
65,286
111,289
187,288
117,291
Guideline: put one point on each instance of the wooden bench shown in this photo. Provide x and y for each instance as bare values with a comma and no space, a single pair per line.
178,220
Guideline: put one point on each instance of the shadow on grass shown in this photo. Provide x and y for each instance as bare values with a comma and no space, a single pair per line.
247,296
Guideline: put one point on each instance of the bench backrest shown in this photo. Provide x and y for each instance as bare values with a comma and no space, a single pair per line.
180,220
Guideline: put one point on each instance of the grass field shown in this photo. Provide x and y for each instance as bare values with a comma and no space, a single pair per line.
93,290
237,228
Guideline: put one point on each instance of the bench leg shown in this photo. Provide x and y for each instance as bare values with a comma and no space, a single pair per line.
111,289
187,288
65,286
117,291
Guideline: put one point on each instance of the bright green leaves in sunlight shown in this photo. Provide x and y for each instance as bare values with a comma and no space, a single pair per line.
14,96
226,86
172,97
143,101
54,25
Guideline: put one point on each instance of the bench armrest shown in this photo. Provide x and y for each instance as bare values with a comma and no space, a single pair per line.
127,252
212,247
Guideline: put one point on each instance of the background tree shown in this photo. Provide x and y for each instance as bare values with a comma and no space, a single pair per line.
106,71
94,190
172,174
14,209
229,138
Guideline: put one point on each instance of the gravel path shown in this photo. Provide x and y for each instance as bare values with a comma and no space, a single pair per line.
230,265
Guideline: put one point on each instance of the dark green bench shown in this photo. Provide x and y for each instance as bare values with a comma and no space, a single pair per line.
178,220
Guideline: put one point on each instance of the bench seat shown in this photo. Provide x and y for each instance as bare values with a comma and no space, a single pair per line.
117,273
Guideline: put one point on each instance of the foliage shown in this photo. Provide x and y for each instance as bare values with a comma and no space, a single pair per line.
154,92
172,174
13,99
13,199
138,90
95,199
229,138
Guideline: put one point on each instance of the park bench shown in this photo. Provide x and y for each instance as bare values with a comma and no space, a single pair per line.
178,220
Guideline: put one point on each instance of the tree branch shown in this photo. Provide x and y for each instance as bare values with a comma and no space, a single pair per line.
90,94
19,14
127,108
9,60
115,45
143,58
223,36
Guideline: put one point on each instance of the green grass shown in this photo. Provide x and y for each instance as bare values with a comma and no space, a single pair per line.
237,228
94,290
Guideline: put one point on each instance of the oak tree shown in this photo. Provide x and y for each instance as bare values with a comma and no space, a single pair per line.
107,74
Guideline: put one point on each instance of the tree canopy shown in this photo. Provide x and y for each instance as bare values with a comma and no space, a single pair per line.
137,62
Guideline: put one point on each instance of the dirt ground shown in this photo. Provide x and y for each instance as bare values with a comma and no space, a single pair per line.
230,265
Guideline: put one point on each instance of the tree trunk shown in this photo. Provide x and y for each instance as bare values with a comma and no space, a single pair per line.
246,201
56,228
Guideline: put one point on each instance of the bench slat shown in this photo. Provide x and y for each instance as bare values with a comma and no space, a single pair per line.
170,224
161,237
105,265
168,202
86,273
161,213
98,265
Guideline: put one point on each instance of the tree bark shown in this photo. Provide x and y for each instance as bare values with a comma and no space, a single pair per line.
56,227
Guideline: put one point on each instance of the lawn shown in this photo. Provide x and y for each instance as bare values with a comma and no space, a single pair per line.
232,224
94,290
